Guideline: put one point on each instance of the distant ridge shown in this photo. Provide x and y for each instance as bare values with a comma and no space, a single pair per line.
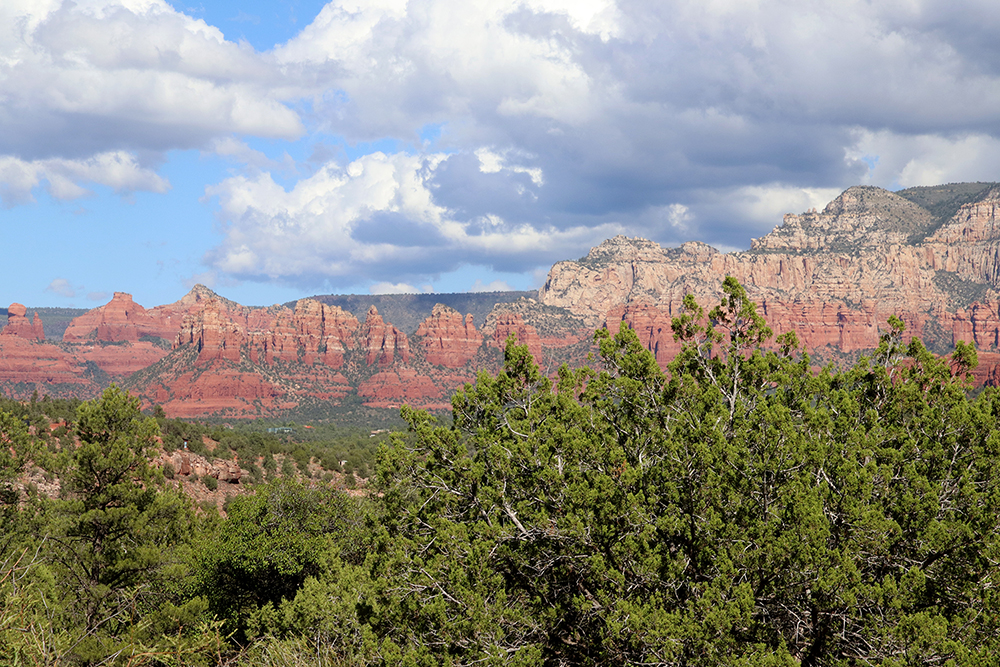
407,311
928,255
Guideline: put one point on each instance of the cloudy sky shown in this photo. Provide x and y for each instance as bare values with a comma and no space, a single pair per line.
274,149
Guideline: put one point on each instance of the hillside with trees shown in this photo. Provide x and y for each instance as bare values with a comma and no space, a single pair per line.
740,508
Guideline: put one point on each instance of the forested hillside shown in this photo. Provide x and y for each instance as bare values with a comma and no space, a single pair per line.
741,508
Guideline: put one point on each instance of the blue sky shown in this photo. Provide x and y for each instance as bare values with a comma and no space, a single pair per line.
282,148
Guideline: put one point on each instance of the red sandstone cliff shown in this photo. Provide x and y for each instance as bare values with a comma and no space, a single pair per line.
833,276
28,363
449,339
120,320
382,342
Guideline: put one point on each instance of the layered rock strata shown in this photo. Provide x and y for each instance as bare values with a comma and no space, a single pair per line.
19,325
929,255
833,276
449,339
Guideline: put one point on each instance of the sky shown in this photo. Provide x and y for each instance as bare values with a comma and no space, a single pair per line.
276,149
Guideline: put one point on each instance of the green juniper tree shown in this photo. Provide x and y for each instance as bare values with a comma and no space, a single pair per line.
740,509
118,538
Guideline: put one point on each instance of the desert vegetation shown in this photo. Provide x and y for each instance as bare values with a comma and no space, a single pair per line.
741,508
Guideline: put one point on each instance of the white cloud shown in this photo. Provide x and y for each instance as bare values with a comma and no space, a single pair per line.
62,287
117,170
403,64
374,218
665,119
767,204
87,84
397,288
561,122
493,286
239,151
926,159
493,163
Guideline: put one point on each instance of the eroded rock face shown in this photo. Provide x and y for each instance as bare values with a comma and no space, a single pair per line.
325,333
834,277
186,463
651,324
119,361
392,388
19,325
508,324
26,366
383,342
449,339
121,319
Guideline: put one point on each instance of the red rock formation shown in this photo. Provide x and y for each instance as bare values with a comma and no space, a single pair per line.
313,332
216,389
214,333
41,366
324,333
651,324
834,277
19,325
447,339
187,463
508,324
121,319
382,342
392,388
120,360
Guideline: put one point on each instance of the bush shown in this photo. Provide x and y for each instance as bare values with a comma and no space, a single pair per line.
740,510
210,482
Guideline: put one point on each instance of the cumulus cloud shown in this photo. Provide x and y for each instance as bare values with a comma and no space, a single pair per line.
373,219
493,286
564,122
398,288
62,287
561,122
88,81
926,159
63,178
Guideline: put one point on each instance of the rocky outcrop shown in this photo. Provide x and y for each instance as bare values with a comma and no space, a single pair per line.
834,277
392,388
120,360
214,332
19,325
26,366
651,324
122,319
507,324
382,342
216,389
861,217
325,333
447,338
931,257
187,463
